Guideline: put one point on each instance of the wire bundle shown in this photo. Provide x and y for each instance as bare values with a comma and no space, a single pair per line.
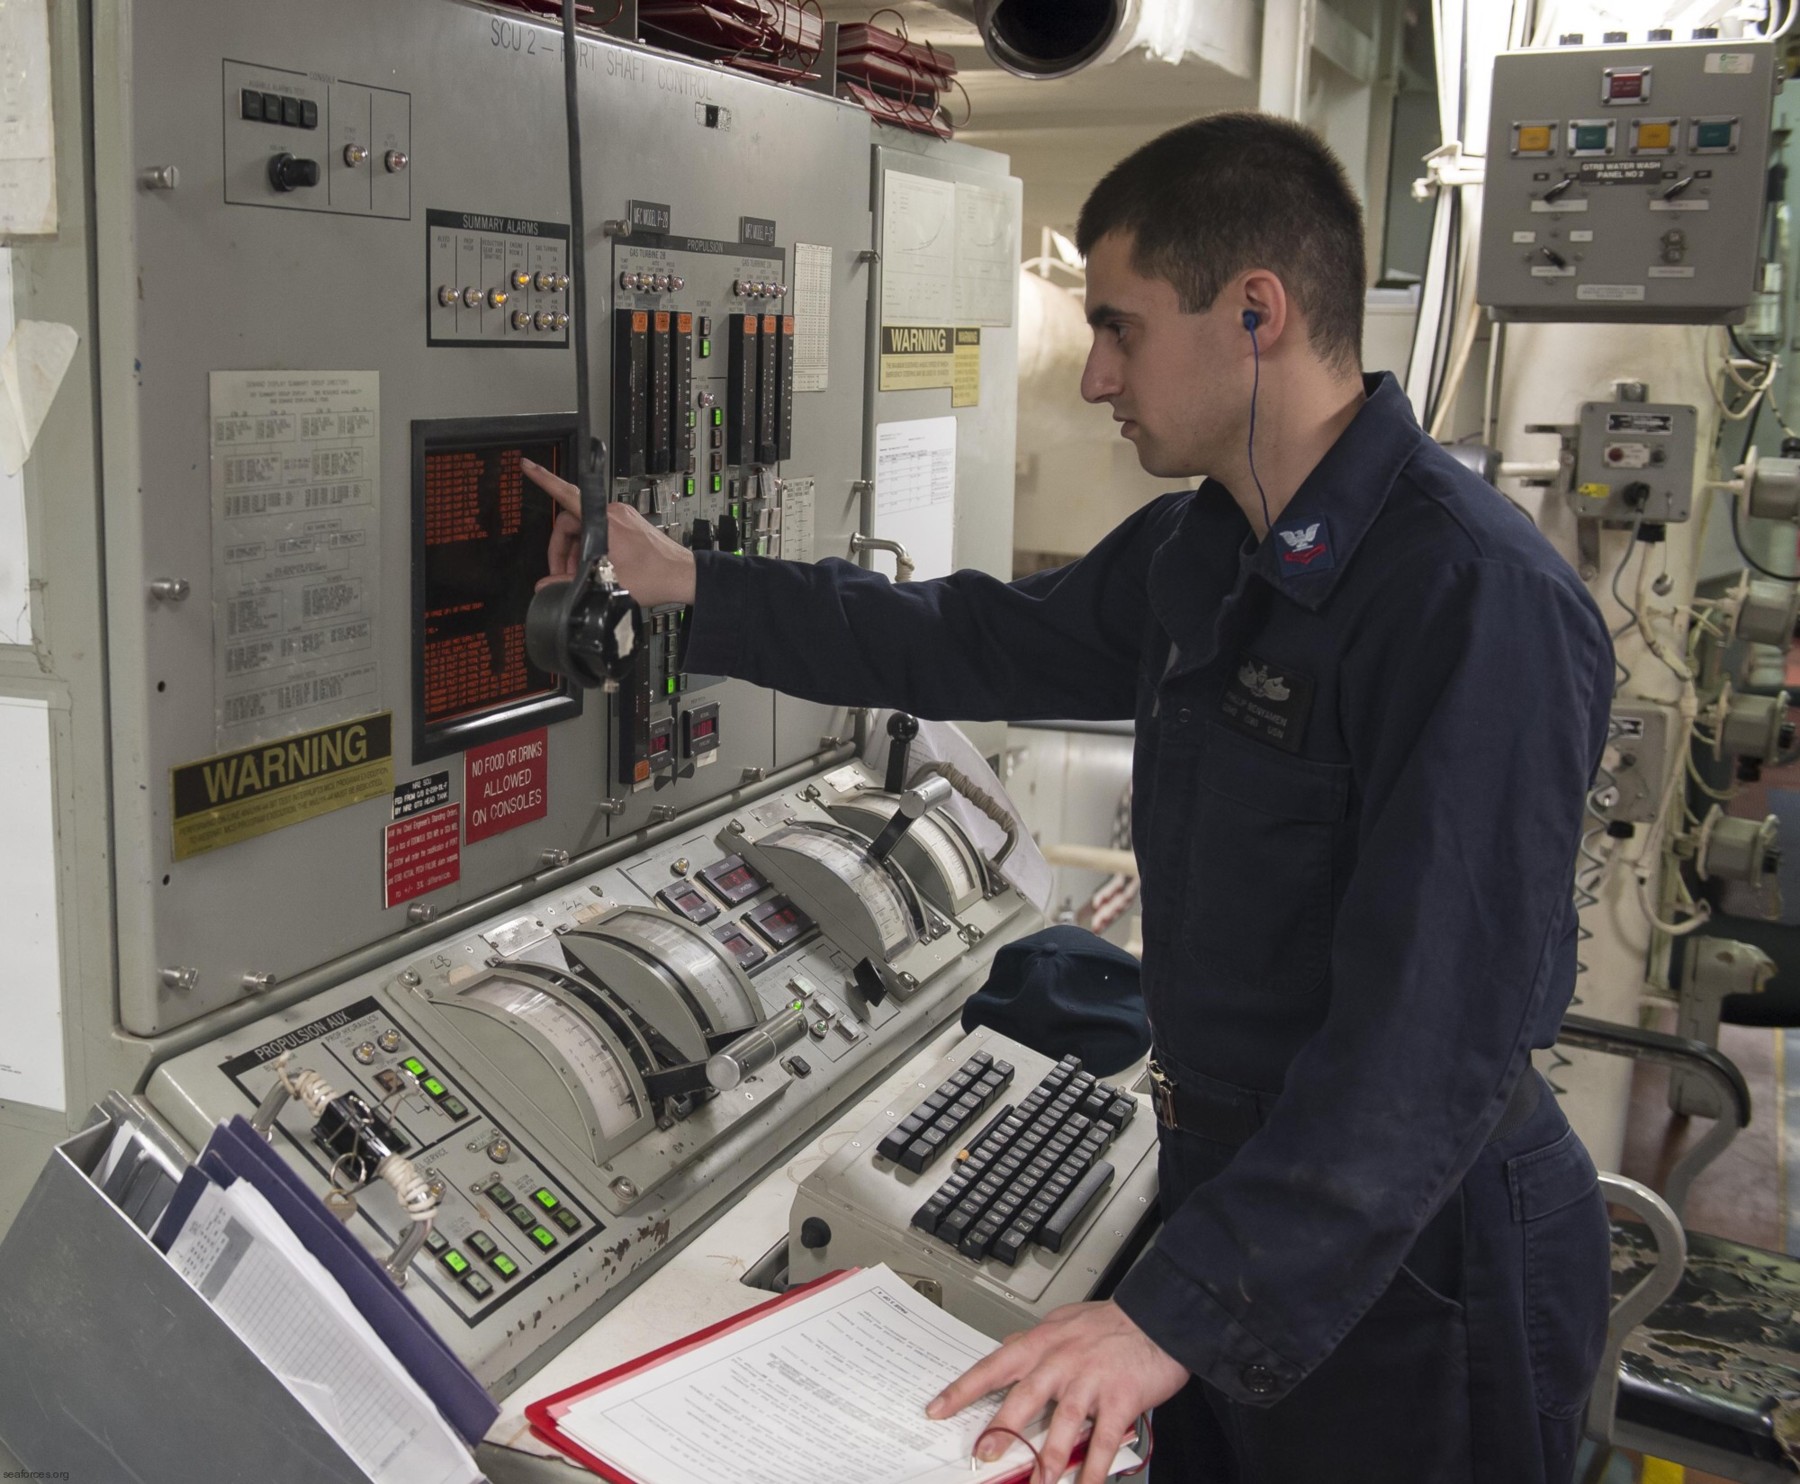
897,80
771,38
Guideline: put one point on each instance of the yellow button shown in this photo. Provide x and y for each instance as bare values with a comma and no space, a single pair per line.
1594,491
1534,139
1654,136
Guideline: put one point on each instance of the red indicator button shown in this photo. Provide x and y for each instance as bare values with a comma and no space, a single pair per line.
1624,87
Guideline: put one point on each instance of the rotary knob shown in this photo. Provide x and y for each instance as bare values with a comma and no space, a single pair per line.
290,173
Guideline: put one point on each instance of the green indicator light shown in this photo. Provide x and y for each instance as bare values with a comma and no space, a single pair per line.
1591,136
456,1262
433,1086
544,1237
1712,136
546,1200
717,484
414,1065
688,485
705,348
505,1266
670,685
718,417
796,1005
693,418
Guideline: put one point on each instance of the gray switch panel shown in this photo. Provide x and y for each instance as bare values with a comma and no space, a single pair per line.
306,143
1634,461
1626,183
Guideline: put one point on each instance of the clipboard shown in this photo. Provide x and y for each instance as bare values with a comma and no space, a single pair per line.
546,1414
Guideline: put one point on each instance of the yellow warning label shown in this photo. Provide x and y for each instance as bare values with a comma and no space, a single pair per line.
916,356
965,370
239,795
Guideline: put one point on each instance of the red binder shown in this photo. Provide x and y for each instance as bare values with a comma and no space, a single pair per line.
545,1415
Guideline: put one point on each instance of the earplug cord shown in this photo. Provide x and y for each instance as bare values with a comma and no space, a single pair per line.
1255,386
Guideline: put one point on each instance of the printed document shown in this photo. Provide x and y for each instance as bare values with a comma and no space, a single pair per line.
830,1389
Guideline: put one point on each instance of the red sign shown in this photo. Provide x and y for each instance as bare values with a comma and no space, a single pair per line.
507,783
422,854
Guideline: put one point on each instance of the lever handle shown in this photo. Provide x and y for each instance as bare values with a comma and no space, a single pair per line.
901,730
914,803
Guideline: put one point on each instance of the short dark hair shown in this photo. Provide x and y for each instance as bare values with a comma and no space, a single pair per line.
1233,191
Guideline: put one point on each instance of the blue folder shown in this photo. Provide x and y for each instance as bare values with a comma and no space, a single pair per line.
236,1151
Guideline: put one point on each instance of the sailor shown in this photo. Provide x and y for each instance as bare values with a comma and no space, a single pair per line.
1369,699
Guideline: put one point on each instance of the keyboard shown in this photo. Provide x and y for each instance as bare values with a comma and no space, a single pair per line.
1032,1171
997,1180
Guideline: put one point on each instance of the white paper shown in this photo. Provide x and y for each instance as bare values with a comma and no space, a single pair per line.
37,356
987,256
915,490
296,481
247,1263
31,1050
830,1390
918,249
15,571
812,316
27,148
797,523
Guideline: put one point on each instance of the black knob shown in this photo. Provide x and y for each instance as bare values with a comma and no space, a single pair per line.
814,1234
1614,37
289,173
1635,494
729,539
1660,33
1706,33
700,535
901,730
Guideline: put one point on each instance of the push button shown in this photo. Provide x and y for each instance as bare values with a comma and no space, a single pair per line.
414,1065
309,114
482,1245
454,1260
290,112
252,105
436,1240
522,1217
435,1088
568,1220
477,1285
545,1199
454,1107
272,107
544,1237
1258,1380
504,1266
500,1194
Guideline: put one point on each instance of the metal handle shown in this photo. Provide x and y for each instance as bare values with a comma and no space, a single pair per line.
915,803
759,1045
903,562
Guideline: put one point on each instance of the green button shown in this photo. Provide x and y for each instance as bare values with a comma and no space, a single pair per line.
687,485
544,1237
482,1244
434,1087
522,1217
501,1195
455,1261
414,1065
544,1198
692,419
568,1220
717,484
503,1265
477,1285
1591,136
705,347
718,417
454,1107
1714,134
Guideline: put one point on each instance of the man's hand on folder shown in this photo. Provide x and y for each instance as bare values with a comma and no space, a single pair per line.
1091,1363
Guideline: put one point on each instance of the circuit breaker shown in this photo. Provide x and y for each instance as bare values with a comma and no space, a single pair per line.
1627,182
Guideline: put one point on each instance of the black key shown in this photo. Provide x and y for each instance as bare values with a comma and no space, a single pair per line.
1095,1103
1119,1114
951,1228
1004,1068
981,1059
915,1156
252,106
931,1213
979,1237
892,1146
1054,1232
1009,1244
1035,1211
935,1104
1077,1125
964,1107
946,1124
910,1125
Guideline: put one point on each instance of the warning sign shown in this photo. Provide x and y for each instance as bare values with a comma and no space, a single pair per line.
507,783
421,854
239,795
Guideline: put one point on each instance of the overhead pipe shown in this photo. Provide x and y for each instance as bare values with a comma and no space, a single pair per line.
1045,39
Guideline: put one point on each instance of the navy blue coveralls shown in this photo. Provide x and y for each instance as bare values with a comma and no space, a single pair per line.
1362,750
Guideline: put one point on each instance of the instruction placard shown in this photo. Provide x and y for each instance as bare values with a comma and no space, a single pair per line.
239,795
965,368
507,783
296,469
420,854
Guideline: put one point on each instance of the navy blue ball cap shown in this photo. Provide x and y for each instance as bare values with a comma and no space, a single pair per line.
1065,991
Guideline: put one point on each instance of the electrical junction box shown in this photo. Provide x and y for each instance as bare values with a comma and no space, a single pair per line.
1634,461
1627,183
1637,761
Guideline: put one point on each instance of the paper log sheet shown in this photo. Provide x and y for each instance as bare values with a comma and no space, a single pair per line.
831,1389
